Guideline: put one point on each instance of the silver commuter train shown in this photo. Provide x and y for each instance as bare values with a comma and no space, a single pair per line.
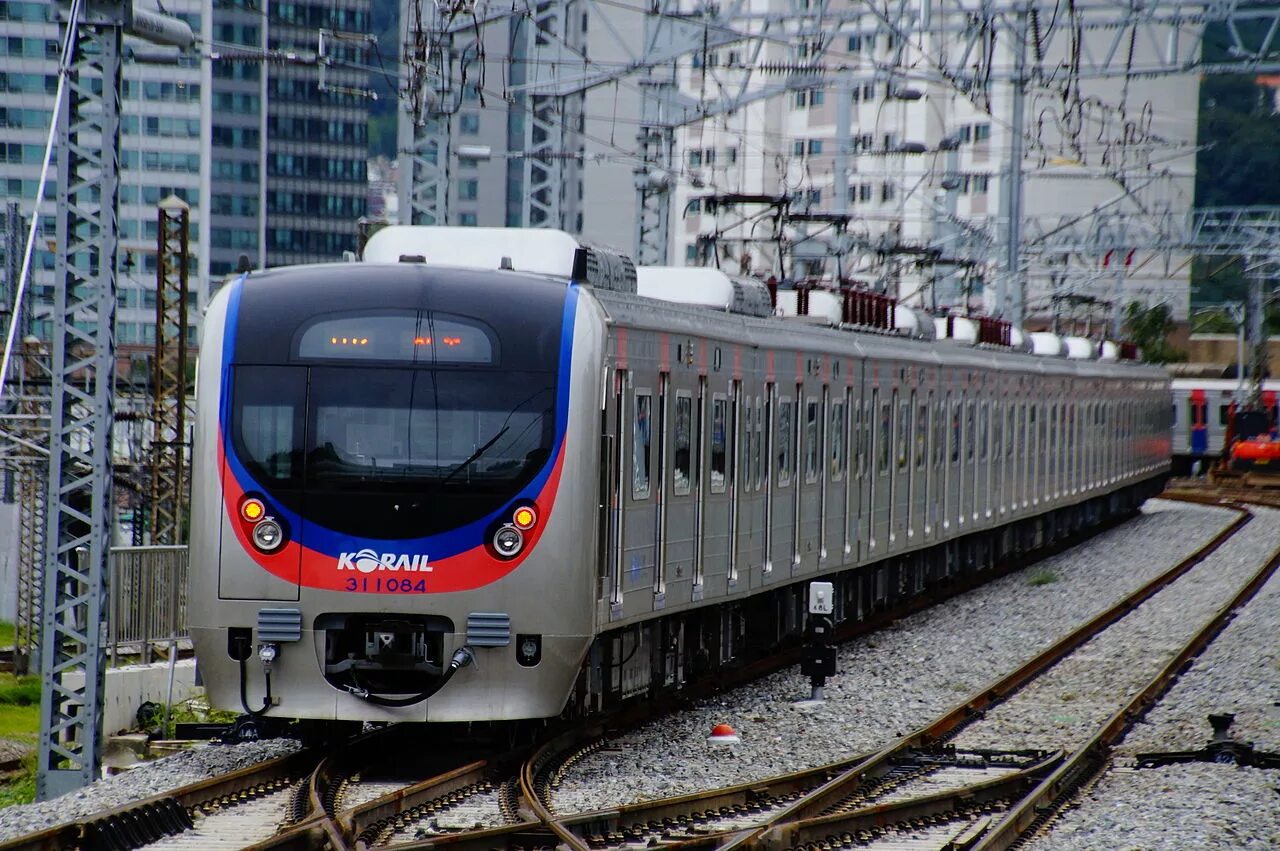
447,494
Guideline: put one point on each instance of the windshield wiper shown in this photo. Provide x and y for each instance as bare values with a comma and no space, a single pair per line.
474,455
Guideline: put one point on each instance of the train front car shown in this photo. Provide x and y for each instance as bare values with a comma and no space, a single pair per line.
391,514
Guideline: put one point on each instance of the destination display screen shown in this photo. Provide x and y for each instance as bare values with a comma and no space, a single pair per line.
401,337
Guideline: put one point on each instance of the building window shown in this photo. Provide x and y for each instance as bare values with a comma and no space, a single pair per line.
797,147
468,190
887,192
981,132
467,220
817,98
815,146
695,159
468,124
731,155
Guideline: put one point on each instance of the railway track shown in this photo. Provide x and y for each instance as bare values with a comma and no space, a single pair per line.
922,784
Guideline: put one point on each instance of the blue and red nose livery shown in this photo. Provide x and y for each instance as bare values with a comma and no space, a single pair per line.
455,559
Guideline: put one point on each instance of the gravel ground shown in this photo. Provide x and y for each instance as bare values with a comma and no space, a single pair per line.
1066,706
894,680
1193,807
1197,805
149,779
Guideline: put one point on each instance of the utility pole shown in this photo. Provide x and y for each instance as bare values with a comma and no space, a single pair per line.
82,381
169,384
1256,273
1011,287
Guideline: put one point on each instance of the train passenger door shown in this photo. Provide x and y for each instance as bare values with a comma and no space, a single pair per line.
638,567
783,553
835,525
717,490
1199,434
811,478
679,521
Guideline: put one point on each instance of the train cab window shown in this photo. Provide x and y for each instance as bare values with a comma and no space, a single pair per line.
786,441
812,447
836,445
640,446
682,473
719,443
269,403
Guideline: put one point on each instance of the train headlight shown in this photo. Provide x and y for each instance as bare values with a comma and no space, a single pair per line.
267,535
508,541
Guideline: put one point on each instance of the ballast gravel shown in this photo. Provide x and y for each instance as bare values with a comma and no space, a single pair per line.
1193,807
894,680
1065,706
149,779
1196,805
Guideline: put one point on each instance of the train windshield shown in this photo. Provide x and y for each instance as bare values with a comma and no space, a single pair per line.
389,452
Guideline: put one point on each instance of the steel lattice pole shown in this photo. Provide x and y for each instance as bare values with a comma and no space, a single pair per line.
78,535
169,384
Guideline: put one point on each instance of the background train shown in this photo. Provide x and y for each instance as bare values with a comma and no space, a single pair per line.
1201,411
486,475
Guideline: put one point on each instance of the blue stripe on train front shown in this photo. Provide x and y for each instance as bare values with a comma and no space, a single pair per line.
441,546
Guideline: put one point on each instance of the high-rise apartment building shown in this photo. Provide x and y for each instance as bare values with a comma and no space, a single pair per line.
160,153
287,154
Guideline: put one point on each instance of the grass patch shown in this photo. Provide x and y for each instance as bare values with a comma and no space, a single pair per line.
20,788
194,710
19,691
1042,577
8,634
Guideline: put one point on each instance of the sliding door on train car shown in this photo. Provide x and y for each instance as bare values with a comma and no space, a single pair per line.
717,497
837,547
784,462
811,475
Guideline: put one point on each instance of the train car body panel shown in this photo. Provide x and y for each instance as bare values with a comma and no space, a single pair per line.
684,465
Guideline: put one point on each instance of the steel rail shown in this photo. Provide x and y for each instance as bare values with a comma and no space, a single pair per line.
1047,798
168,812
829,795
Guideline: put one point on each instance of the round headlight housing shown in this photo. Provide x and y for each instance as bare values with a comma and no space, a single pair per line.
508,541
267,535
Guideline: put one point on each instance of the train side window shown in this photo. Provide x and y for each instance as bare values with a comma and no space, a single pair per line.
984,430
786,438
719,442
997,430
955,431
640,446
922,434
1222,414
882,451
939,433
748,446
904,431
682,478
970,436
759,452
812,449
837,454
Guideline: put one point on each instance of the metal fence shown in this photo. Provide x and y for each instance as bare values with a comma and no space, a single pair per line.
148,600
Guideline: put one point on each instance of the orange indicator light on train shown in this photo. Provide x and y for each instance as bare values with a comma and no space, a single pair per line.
252,510
525,517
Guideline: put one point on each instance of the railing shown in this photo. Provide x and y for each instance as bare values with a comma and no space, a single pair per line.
148,600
